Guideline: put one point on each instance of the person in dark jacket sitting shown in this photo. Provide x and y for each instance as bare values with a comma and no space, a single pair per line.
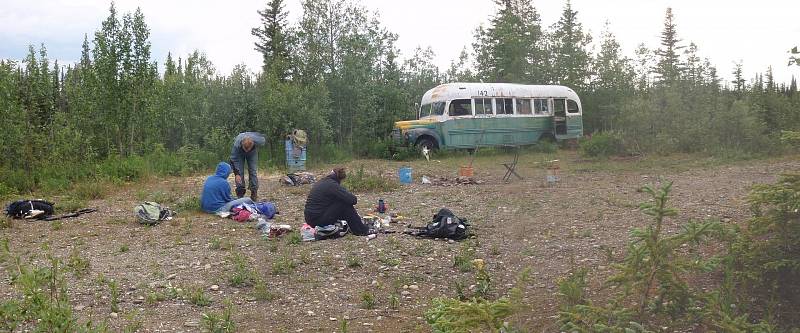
328,202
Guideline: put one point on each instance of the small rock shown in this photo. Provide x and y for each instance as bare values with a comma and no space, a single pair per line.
79,307
405,286
156,284
207,266
413,287
114,315
405,293
171,276
310,313
214,287
191,323
332,318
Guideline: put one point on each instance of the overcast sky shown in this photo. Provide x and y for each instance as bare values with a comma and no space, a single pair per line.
757,33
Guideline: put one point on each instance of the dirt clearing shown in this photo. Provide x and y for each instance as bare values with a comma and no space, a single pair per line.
169,275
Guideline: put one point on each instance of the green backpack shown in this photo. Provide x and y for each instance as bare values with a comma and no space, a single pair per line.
152,213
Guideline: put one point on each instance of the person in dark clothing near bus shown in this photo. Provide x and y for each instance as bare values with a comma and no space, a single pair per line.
328,202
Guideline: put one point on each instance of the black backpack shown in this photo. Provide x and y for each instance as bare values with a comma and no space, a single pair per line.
445,224
25,209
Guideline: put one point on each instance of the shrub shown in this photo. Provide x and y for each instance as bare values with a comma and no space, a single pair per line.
220,323
766,255
197,296
242,274
603,144
90,190
361,181
116,167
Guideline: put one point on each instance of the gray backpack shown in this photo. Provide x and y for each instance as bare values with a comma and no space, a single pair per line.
151,213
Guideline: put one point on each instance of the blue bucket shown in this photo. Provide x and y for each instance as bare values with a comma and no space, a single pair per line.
405,175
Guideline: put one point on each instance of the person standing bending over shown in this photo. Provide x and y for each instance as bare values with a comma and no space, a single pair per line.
244,151
328,202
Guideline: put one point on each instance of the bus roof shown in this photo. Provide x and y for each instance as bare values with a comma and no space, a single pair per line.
450,91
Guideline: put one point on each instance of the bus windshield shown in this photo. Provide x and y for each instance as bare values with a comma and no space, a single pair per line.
432,109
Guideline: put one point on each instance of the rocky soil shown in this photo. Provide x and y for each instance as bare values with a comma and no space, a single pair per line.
581,221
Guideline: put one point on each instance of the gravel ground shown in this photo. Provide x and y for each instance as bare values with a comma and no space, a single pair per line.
315,286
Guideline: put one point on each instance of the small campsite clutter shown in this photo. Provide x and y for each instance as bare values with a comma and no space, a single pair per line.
38,209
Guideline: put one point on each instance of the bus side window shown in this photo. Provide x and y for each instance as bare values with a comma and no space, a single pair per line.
523,106
572,106
504,106
540,106
460,107
483,106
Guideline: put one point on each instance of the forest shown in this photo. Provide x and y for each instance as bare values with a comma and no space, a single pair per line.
337,73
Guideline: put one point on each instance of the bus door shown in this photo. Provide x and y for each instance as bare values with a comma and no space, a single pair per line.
560,118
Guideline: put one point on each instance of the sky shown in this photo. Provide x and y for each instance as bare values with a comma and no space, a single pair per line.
756,33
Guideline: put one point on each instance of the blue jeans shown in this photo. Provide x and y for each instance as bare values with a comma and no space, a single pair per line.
239,158
227,207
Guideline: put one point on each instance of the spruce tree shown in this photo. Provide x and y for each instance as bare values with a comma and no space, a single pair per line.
512,47
273,40
569,49
669,67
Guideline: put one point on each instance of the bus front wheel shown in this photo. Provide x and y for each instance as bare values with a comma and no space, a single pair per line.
426,146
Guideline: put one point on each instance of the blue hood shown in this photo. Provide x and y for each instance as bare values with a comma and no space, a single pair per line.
223,170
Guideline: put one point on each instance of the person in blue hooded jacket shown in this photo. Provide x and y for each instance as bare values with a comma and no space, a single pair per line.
216,196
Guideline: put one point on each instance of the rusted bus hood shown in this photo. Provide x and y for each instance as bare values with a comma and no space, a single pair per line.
408,124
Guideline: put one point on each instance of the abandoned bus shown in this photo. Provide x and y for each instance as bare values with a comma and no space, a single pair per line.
469,115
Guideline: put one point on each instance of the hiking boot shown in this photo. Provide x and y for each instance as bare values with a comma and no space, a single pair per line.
254,195
240,192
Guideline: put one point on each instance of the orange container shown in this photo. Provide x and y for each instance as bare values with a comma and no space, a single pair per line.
465,171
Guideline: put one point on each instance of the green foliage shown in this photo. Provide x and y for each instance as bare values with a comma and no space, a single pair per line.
479,313
6,222
113,288
294,238
353,261
77,263
189,204
242,274
571,288
603,144
766,255
262,292
197,296
368,300
90,190
653,271
112,117
451,315
463,260
44,301
361,181
220,323
652,277
283,266
791,138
